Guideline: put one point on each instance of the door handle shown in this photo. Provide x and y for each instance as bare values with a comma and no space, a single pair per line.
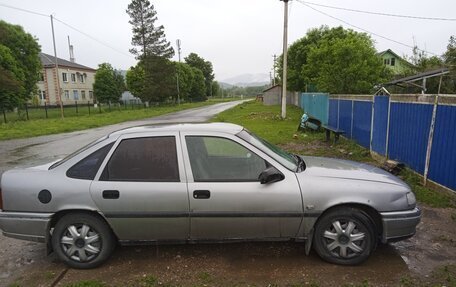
111,194
201,194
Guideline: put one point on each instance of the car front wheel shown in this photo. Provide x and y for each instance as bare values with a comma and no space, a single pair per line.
82,240
345,236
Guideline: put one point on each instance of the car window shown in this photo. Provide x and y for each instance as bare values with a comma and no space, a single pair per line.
284,158
84,148
220,159
143,159
87,168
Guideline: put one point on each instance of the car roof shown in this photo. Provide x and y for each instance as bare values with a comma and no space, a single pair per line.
203,127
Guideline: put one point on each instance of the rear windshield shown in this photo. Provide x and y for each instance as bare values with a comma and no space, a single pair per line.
65,159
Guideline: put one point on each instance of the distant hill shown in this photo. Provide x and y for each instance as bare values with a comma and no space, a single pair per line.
246,80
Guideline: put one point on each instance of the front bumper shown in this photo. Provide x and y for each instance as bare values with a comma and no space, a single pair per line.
399,225
25,225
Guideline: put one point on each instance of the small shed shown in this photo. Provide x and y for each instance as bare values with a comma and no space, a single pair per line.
273,96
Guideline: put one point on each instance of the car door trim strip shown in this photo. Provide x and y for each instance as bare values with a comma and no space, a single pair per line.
166,214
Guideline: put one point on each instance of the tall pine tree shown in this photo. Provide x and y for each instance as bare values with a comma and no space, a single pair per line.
149,39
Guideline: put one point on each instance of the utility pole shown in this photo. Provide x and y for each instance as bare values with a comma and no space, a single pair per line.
274,69
178,42
59,94
285,52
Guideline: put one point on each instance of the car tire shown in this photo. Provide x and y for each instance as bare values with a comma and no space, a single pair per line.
345,236
82,240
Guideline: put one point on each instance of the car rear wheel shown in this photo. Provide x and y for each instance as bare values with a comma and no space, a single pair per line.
345,236
82,240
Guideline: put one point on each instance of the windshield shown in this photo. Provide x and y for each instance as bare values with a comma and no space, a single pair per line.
77,152
284,158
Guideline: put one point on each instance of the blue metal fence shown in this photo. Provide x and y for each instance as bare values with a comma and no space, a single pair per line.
380,125
409,133
442,167
401,130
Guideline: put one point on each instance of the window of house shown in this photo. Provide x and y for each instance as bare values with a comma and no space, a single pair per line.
87,168
42,95
67,94
393,61
75,95
41,77
90,94
64,77
83,95
215,159
73,78
81,78
152,159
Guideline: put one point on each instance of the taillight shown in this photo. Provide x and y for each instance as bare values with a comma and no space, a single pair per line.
1,199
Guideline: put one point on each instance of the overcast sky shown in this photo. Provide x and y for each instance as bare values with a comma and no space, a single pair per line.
237,36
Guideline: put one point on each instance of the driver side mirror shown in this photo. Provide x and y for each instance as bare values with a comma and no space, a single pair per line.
270,175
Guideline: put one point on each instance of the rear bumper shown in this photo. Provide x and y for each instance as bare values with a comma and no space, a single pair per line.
25,225
400,225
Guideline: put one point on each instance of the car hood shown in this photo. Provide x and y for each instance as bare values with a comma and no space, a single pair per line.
349,170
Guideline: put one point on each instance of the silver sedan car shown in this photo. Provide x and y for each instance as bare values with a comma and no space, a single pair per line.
191,183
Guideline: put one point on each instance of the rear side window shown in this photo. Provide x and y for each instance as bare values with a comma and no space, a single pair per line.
87,168
151,159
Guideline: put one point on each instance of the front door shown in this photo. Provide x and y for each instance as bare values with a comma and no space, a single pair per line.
141,189
227,201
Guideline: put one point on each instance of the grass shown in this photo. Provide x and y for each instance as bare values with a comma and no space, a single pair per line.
266,122
39,127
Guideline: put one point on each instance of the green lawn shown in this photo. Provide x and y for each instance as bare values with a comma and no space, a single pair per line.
81,121
267,123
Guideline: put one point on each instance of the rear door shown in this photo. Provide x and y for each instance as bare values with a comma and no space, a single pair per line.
141,188
227,200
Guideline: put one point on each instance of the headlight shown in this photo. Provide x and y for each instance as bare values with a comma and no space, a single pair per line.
411,199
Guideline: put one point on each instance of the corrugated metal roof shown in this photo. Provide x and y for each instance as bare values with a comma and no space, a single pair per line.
49,61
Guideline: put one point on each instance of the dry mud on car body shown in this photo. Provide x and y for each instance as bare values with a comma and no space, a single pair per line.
200,183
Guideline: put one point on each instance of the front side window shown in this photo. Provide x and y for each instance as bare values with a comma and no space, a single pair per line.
67,94
152,159
75,95
393,61
83,95
215,159
284,158
64,77
87,168
73,78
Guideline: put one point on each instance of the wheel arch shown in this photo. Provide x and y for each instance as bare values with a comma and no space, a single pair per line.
61,213
372,213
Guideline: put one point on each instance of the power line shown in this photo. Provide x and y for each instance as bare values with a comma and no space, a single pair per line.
382,14
69,26
93,38
24,10
364,30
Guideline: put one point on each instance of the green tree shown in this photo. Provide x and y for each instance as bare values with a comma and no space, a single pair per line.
198,88
20,65
11,80
215,89
186,76
335,60
450,61
109,84
198,62
159,79
135,80
150,38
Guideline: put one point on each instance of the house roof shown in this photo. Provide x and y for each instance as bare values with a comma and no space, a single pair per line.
49,61
270,88
394,54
